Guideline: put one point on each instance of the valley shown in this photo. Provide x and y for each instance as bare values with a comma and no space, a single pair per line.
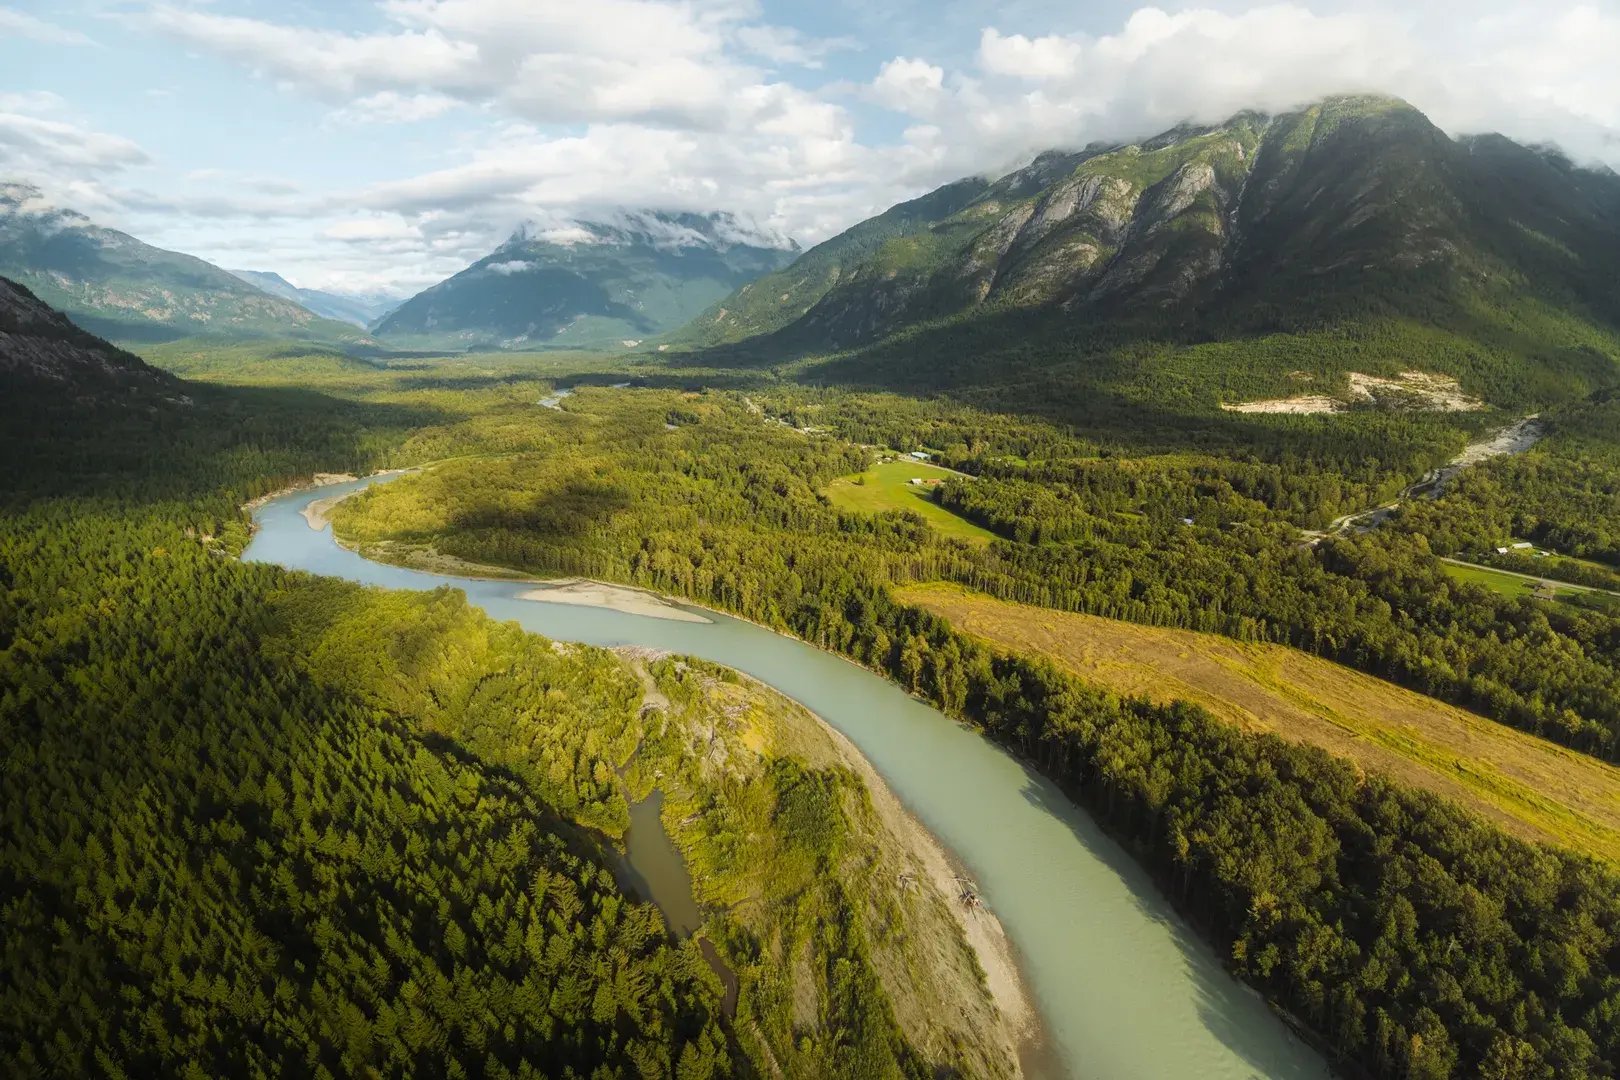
1148,608
1035,861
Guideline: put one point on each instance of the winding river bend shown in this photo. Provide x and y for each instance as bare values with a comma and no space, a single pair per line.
1125,989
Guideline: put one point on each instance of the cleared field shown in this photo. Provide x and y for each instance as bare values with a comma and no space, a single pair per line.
888,486
1532,787
1494,580
1507,583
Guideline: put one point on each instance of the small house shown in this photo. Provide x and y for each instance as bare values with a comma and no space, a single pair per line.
1523,545
919,455
1501,551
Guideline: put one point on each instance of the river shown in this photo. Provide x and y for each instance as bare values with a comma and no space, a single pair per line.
1125,989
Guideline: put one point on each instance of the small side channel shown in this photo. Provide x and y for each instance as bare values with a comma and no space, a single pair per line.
652,868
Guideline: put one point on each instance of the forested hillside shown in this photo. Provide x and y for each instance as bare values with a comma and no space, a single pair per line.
1564,495
38,343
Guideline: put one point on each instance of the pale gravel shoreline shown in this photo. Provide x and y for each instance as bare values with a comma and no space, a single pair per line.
599,594
983,931
318,480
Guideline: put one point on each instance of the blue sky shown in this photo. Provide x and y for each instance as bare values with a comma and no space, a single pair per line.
383,145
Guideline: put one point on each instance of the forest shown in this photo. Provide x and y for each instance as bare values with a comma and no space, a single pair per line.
292,727
259,823
1407,935
1563,495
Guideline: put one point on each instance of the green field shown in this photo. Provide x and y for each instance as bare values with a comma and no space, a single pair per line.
887,486
1503,583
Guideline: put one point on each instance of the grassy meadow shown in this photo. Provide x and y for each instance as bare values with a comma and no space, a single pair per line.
1530,786
887,486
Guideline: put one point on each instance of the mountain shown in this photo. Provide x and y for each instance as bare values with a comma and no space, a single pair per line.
42,347
1353,212
628,276
361,309
115,285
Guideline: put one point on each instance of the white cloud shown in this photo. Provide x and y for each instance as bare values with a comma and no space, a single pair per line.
391,107
548,61
1021,57
509,267
1532,73
786,45
910,86
372,228
23,25
326,61
38,145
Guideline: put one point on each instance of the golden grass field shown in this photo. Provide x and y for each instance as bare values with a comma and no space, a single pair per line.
1534,788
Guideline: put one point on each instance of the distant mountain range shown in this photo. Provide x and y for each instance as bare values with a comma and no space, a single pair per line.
607,282
1354,212
361,309
120,288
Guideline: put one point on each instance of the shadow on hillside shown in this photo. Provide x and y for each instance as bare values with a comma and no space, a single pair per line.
210,439
567,514
1117,392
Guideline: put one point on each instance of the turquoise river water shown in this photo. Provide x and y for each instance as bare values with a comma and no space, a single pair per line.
1125,989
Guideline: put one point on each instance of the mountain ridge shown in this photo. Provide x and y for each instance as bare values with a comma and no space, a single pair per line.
360,309
1349,211
585,282
122,288
41,346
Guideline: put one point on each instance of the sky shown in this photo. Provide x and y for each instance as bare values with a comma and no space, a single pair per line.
381,146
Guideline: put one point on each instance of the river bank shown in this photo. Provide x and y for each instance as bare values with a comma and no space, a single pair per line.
947,966
579,592
1022,1031
318,480
1124,986
583,592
